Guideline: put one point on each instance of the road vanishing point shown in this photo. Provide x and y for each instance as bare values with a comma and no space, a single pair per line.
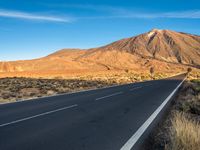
113,118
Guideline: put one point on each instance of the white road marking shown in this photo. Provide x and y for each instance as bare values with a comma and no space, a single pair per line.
42,114
148,85
37,98
114,94
136,88
131,142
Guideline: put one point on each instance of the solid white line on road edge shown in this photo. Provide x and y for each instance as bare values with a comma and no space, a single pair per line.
114,94
136,88
131,142
42,114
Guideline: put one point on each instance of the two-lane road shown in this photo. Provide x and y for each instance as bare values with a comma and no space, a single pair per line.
104,119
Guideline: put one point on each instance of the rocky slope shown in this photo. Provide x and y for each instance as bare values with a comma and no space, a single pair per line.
163,49
164,45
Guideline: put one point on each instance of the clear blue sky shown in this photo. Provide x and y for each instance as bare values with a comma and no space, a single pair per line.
35,28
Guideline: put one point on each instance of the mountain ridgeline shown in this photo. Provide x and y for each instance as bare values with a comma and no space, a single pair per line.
159,48
164,45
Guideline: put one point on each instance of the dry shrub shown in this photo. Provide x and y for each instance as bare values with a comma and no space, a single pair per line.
184,133
195,74
189,99
23,88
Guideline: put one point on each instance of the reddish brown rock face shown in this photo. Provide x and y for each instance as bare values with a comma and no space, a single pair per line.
163,45
163,49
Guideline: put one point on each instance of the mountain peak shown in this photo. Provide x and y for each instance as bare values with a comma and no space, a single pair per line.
153,32
164,45
156,30
160,48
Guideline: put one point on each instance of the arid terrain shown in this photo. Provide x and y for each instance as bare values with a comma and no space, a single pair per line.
164,50
20,88
181,127
99,75
124,61
153,55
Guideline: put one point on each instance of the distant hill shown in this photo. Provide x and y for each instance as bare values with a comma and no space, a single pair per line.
163,49
164,45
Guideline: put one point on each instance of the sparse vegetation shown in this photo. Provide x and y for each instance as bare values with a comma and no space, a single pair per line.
181,128
14,89
194,75
189,70
152,71
184,133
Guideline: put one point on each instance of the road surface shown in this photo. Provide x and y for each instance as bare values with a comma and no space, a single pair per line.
104,119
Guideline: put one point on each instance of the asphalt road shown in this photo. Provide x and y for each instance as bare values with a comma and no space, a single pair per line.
103,119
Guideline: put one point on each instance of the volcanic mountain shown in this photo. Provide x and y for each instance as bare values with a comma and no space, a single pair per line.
164,45
163,49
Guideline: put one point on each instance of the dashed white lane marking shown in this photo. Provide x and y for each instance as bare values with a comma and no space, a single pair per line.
114,94
150,84
136,88
42,114
131,142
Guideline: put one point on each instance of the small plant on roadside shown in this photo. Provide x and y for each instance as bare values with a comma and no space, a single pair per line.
189,70
152,71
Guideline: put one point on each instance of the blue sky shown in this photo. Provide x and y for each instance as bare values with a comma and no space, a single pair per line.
35,28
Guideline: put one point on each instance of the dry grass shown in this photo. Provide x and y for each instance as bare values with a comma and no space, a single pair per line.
184,133
195,74
14,89
18,88
181,129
